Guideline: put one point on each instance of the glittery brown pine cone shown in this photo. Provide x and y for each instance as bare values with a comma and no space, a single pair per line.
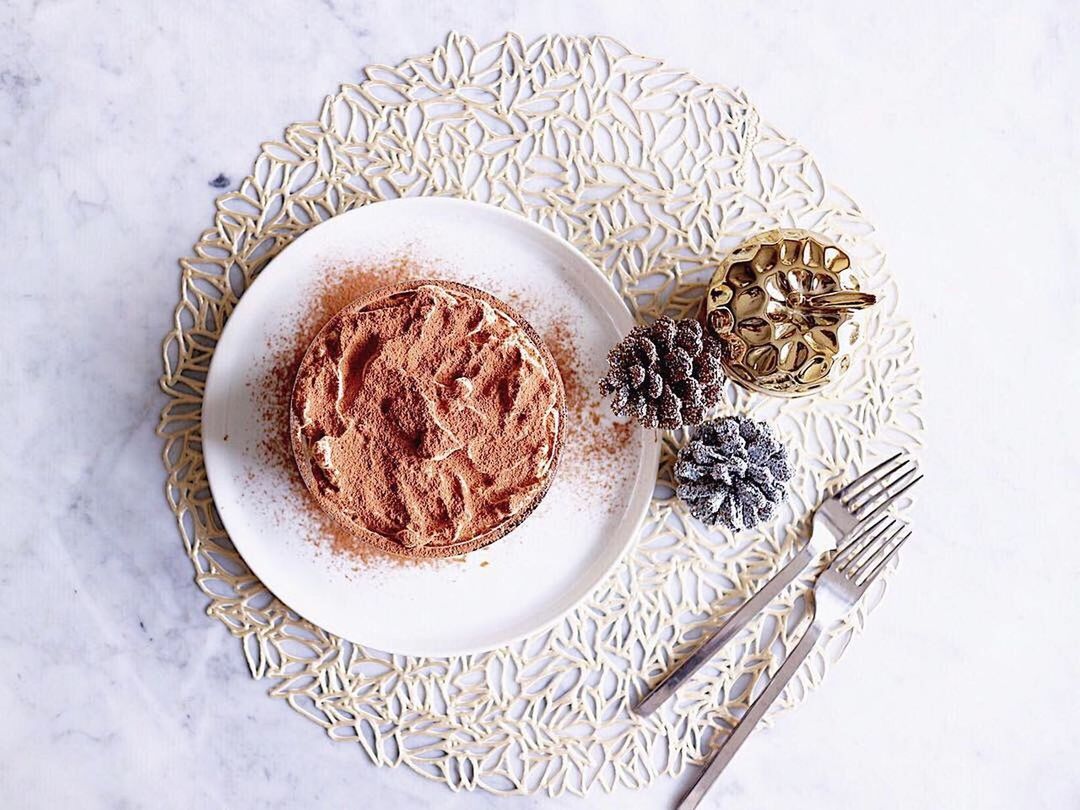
665,375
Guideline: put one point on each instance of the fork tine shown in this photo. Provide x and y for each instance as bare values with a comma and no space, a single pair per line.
857,537
874,488
872,550
893,494
867,525
869,546
865,581
857,541
849,490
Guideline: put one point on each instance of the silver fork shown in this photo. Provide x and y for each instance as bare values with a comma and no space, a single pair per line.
838,515
840,586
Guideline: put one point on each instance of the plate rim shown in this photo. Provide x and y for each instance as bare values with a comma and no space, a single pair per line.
649,456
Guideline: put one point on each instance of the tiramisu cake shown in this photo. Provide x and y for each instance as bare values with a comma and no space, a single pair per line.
426,418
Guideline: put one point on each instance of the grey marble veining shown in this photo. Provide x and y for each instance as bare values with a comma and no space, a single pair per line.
119,123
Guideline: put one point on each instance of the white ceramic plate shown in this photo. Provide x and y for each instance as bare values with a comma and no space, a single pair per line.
520,584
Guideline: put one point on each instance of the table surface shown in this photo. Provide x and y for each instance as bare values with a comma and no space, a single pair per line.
954,124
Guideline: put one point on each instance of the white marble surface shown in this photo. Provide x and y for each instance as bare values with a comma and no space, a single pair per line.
955,124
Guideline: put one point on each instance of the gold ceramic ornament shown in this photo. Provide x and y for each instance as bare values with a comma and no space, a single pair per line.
783,303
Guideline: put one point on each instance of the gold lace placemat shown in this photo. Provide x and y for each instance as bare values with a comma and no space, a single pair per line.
655,175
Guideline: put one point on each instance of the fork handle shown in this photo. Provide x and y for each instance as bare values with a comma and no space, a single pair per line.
727,631
746,724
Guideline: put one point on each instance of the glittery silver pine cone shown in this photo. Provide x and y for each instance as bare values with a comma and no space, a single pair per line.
732,473
665,375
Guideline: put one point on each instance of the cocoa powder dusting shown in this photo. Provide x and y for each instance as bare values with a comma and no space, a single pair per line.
426,419
591,448
274,384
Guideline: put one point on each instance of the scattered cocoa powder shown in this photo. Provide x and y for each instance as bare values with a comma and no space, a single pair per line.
593,447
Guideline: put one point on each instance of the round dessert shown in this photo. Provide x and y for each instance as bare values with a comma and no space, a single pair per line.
426,418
